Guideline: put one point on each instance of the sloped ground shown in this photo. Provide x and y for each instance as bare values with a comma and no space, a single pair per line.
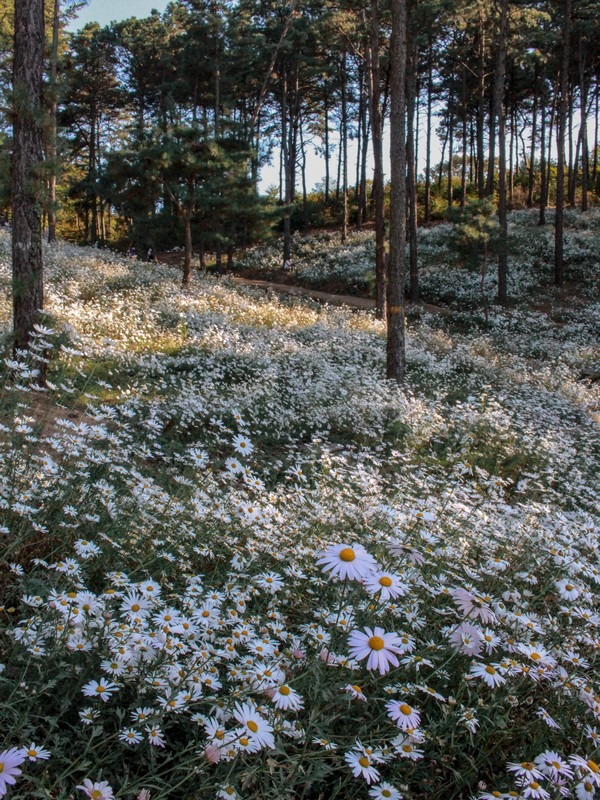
164,585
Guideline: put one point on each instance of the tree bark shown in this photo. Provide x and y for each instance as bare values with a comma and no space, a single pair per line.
411,179
428,134
560,167
396,346
27,159
500,113
377,138
52,142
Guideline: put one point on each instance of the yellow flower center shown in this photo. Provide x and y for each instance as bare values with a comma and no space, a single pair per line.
490,670
32,753
96,794
385,581
100,689
244,742
1,767
527,764
376,643
252,725
347,554
284,690
135,607
386,793
357,688
593,766
405,709
535,656
364,762
407,748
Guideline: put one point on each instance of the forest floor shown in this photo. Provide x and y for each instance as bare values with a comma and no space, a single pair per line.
217,508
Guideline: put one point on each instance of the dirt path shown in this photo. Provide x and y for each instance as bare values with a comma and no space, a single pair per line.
361,303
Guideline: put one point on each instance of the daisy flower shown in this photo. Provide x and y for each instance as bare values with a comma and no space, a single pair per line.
585,790
534,790
386,584
406,749
384,791
489,674
35,753
130,736
552,765
10,760
155,736
543,714
362,766
100,790
102,689
377,646
589,768
347,561
285,698
525,770
260,730
403,715
242,444
472,605
356,692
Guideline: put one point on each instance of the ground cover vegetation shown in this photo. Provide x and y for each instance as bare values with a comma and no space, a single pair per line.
239,562
263,548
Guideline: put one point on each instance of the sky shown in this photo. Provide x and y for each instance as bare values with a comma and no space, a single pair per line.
105,11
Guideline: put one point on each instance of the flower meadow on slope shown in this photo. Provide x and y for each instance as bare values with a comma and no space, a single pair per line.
239,563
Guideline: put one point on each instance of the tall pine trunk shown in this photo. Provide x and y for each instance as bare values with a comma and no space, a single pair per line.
27,158
52,141
377,138
560,167
500,113
411,178
396,346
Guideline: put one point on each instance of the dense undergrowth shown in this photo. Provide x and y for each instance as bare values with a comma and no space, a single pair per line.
170,627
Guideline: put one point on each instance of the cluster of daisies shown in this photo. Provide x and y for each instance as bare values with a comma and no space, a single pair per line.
186,604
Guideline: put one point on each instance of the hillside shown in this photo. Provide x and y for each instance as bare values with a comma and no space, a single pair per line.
239,563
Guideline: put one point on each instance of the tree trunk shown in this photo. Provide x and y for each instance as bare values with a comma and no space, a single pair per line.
500,113
481,110
583,94
411,180
428,135
531,176
560,167
326,150
344,144
377,137
187,251
52,142
396,346
27,158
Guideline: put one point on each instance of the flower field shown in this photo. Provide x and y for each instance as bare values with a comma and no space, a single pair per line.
239,563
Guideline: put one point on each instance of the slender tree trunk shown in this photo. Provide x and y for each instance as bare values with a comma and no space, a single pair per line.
560,168
287,220
572,161
52,141
500,113
583,94
377,137
327,178
450,189
531,177
596,142
428,134
27,158
463,168
187,250
481,110
411,178
396,347
344,144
